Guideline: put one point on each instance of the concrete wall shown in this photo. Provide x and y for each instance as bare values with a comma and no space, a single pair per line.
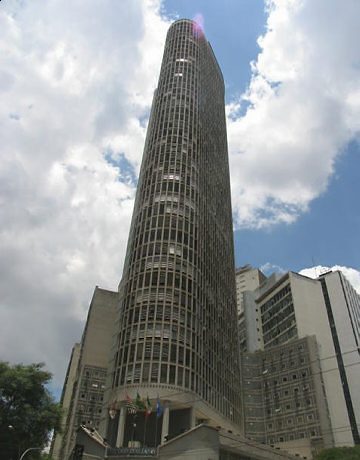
202,444
303,447
254,339
66,398
312,319
277,385
320,394
93,358
98,333
247,279
343,303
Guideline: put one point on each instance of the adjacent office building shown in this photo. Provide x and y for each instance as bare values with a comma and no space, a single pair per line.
83,393
343,309
281,314
248,279
284,399
60,445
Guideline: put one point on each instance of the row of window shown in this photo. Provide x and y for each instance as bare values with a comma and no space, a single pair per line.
89,409
286,378
294,435
278,296
278,313
296,405
282,334
288,393
300,420
286,353
90,396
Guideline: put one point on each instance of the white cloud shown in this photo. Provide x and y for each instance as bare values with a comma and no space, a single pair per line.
303,107
75,84
268,268
352,275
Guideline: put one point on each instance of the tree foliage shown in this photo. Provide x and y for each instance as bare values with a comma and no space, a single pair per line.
28,413
339,453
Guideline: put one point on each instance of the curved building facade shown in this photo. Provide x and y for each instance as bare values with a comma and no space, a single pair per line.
177,327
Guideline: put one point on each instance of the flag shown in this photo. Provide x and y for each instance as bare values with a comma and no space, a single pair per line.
139,403
131,407
112,410
148,407
159,408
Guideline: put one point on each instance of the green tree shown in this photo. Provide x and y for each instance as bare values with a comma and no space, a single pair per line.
339,453
28,412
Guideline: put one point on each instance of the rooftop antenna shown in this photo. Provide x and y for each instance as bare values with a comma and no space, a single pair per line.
313,263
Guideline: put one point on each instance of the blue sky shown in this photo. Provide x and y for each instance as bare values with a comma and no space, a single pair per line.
75,95
232,27
328,232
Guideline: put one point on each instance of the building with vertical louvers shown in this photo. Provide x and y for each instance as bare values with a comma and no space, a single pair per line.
177,327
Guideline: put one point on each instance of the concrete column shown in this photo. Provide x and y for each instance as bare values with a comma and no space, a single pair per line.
165,424
192,417
121,427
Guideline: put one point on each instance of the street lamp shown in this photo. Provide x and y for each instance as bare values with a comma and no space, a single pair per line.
28,450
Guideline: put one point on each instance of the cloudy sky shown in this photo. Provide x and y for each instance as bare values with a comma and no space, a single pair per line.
76,83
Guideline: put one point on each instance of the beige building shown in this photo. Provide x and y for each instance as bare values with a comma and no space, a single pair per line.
83,393
66,402
343,308
284,401
247,279
292,307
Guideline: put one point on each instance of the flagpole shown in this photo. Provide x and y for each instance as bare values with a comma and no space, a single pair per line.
158,414
146,417
156,430
133,427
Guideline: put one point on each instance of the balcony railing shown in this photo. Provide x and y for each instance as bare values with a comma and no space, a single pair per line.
131,452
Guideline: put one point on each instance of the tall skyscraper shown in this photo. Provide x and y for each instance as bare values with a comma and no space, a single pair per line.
177,335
